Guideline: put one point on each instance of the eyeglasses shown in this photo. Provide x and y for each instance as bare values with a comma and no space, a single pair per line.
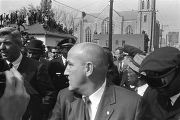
158,80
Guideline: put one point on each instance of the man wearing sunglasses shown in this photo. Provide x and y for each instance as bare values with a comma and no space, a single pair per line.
161,70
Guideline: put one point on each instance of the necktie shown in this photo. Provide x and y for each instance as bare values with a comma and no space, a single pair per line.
10,65
86,108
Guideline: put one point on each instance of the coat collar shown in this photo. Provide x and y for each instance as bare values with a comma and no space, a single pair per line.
105,109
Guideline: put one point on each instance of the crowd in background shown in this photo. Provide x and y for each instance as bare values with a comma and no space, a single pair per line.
30,17
134,84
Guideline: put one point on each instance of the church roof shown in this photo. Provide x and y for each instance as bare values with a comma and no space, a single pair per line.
38,29
91,17
127,15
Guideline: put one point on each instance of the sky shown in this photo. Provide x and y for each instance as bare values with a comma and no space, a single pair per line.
167,10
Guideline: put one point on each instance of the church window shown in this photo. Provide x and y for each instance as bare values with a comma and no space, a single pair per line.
88,34
148,4
145,18
107,43
105,26
129,29
117,42
143,4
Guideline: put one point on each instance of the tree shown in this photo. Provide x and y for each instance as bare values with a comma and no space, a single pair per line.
65,17
46,6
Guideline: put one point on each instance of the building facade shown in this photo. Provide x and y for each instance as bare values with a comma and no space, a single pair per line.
124,22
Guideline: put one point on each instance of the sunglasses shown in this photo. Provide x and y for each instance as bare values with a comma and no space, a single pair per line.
158,80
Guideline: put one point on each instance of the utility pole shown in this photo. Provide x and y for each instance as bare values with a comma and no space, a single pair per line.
153,25
110,24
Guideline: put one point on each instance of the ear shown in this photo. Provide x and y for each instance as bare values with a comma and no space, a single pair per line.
89,68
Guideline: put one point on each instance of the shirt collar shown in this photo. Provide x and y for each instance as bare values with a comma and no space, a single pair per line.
174,98
17,61
96,96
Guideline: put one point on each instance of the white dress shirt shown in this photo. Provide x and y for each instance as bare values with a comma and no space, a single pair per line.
174,98
95,100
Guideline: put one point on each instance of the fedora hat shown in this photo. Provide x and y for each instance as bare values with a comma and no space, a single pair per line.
135,62
36,45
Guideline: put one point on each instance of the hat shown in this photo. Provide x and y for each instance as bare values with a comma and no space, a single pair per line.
161,60
67,42
36,45
135,62
132,51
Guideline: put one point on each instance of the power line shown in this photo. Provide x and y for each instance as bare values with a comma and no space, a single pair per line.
77,10
102,10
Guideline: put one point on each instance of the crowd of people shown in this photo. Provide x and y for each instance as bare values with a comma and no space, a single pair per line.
30,17
85,81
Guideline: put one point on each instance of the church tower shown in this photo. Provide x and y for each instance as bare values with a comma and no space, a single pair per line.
147,21
146,13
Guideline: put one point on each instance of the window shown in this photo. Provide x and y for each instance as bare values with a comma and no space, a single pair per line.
143,4
88,34
129,29
148,4
145,18
105,26
117,42
107,43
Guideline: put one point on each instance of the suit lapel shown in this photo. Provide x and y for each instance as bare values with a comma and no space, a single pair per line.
75,108
105,109
21,65
24,70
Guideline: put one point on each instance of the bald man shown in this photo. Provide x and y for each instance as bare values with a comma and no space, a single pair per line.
86,70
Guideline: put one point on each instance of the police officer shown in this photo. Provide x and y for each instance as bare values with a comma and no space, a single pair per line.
57,65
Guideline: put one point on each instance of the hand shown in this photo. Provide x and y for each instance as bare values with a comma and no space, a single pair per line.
15,99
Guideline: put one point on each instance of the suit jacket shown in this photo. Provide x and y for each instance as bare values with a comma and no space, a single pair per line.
155,107
116,103
38,85
56,71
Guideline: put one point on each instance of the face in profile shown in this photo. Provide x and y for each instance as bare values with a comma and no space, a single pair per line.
8,48
75,71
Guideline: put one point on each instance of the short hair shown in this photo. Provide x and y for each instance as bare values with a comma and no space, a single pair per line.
14,33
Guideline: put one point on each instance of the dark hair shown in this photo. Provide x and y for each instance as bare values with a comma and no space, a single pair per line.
14,33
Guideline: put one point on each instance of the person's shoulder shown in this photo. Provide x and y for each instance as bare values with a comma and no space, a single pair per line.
66,94
34,63
125,93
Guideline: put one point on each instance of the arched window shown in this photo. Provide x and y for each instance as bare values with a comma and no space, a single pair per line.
88,34
148,4
105,26
143,4
129,29
145,18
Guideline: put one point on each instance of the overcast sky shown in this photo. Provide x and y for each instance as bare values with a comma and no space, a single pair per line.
168,11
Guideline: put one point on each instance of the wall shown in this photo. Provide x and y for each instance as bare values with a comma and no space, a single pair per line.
136,40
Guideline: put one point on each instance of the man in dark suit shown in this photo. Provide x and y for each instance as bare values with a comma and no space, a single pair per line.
36,78
87,66
161,70
57,65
